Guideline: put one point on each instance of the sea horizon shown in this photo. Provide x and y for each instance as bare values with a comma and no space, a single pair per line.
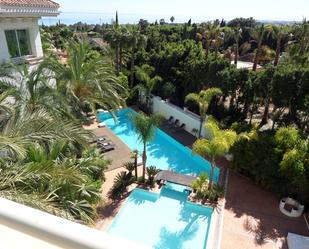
70,18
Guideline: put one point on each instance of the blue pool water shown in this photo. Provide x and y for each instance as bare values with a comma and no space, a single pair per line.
164,152
163,221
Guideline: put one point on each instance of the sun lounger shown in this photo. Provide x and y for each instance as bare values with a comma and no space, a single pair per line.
108,148
106,145
174,124
102,124
179,128
169,121
98,139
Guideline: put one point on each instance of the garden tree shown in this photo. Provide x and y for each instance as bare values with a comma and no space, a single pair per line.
243,23
294,163
148,83
124,43
204,35
236,37
162,21
217,37
145,128
203,99
88,82
258,35
302,33
46,38
46,163
298,48
134,155
290,87
172,19
263,82
114,37
201,184
59,35
31,89
217,144
129,166
22,129
151,173
136,42
281,34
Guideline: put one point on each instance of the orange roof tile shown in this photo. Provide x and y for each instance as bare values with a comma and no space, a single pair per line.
30,3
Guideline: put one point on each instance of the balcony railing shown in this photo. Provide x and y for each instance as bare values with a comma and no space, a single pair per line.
54,230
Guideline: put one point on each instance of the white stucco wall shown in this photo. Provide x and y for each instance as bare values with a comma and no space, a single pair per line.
191,120
31,24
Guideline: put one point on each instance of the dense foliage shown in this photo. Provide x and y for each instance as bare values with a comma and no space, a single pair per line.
45,158
172,61
279,161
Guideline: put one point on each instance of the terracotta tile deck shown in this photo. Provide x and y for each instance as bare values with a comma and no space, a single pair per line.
252,218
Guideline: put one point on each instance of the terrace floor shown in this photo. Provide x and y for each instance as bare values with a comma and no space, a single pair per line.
120,155
252,218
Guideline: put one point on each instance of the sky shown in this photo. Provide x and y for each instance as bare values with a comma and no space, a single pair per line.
198,10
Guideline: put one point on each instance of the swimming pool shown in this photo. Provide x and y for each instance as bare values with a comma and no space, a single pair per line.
164,152
163,221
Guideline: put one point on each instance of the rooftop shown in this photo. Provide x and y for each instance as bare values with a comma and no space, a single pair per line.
30,3
28,8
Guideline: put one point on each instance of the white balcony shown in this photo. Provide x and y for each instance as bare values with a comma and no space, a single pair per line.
25,227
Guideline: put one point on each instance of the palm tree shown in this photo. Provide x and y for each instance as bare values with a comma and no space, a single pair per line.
201,183
143,74
280,33
218,37
24,128
31,88
217,144
236,34
52,179
204,35
145,128
136,41
88,81
134,155
258,35
302,31
151,173
203,99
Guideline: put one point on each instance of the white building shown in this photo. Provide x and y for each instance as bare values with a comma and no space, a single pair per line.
20,39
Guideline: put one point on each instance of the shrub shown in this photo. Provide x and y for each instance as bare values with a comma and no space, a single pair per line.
278,162
151,173
121,181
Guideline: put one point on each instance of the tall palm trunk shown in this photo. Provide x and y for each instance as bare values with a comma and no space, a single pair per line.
216,51
201,126
257,56
266,113
212,170
278,48
135,164
236,54
120,58
117,58
206,50
144,160
132,68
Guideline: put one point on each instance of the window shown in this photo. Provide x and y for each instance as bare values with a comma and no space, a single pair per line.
18,42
